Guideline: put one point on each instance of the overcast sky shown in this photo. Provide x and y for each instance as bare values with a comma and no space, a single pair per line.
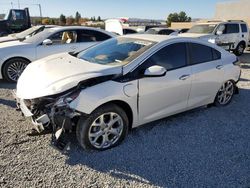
152,9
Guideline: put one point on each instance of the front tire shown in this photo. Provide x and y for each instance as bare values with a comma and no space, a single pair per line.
13,69
225,94
103,129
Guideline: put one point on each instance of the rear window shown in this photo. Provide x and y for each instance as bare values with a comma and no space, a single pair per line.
91,36
243,28
200,53
216,54
128,31
166,32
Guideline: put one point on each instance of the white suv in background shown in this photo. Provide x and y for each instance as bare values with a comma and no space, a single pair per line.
232,35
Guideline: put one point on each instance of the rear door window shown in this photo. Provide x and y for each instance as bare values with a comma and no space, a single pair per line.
200,53
232,28
166,32
243,28
91,36
128,31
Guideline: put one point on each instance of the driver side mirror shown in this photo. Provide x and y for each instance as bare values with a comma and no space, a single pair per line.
155,71
219,32
47,42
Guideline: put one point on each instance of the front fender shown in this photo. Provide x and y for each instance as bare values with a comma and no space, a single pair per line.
95,96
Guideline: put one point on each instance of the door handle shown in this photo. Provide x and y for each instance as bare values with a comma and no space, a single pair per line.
219,67
184,77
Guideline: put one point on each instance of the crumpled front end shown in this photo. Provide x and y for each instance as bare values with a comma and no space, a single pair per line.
51,115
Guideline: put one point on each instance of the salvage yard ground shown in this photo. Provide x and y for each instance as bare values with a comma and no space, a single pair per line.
206,147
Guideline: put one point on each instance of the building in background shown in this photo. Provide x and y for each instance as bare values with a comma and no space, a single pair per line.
230,10
233,10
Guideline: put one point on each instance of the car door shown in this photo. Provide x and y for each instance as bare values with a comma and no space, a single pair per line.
62,41
166,95
87,38
207,74
230,33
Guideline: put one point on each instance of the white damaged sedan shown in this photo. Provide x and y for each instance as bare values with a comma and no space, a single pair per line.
123,83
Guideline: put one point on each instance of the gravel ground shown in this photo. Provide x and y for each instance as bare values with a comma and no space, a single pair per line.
206,147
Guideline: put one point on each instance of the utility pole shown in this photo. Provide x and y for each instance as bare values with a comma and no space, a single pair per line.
11,4
40,9
18,4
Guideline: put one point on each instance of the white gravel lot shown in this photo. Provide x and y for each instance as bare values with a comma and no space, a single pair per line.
206,147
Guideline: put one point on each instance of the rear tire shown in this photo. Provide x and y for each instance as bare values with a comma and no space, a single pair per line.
240,49
225,94
103,129
13,69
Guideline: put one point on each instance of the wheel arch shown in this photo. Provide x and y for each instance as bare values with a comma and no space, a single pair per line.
20,57
236,91
244,42
123,105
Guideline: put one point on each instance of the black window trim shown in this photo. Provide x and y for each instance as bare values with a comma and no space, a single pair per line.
232,24
190,52
95,30
243,25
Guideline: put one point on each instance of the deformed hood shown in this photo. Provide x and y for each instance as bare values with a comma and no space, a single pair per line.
58,73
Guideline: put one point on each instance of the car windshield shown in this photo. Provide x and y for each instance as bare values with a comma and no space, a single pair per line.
27,32
202,29
39,36
151,31
117,51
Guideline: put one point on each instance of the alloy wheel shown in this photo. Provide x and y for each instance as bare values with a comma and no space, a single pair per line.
105,130
225,93
15,70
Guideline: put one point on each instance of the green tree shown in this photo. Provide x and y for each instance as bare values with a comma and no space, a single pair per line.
99,18
52,21
178,17
62,20
77,18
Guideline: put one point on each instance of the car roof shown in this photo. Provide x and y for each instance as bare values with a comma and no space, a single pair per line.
150,37
71,27
61,28
161,28
218,22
